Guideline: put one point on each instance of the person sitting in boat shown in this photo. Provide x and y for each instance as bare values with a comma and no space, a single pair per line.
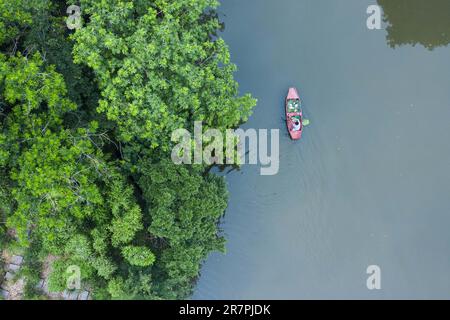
297,126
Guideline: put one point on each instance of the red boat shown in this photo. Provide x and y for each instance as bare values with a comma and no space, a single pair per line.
294,116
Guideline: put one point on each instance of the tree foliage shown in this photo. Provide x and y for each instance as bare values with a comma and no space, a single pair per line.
86,120
160,67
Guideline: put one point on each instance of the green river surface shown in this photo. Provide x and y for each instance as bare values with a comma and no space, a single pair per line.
369,183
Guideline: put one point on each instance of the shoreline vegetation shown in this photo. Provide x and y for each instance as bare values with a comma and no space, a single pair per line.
86,118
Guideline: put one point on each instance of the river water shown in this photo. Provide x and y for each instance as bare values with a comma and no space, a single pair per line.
368,184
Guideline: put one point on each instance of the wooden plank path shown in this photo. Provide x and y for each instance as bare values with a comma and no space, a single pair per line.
12,288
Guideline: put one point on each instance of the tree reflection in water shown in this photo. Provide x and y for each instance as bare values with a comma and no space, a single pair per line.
425,22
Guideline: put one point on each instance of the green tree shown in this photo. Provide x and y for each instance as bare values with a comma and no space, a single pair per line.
184,207
65,189
160,66
138,256
91,181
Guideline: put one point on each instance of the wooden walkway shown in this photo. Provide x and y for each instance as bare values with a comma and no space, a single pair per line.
12,287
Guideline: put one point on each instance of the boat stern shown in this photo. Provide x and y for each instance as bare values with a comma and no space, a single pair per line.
295,135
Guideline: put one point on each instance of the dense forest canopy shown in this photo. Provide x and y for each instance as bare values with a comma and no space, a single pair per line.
86,118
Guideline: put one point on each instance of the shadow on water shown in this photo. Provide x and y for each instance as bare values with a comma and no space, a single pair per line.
412,22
